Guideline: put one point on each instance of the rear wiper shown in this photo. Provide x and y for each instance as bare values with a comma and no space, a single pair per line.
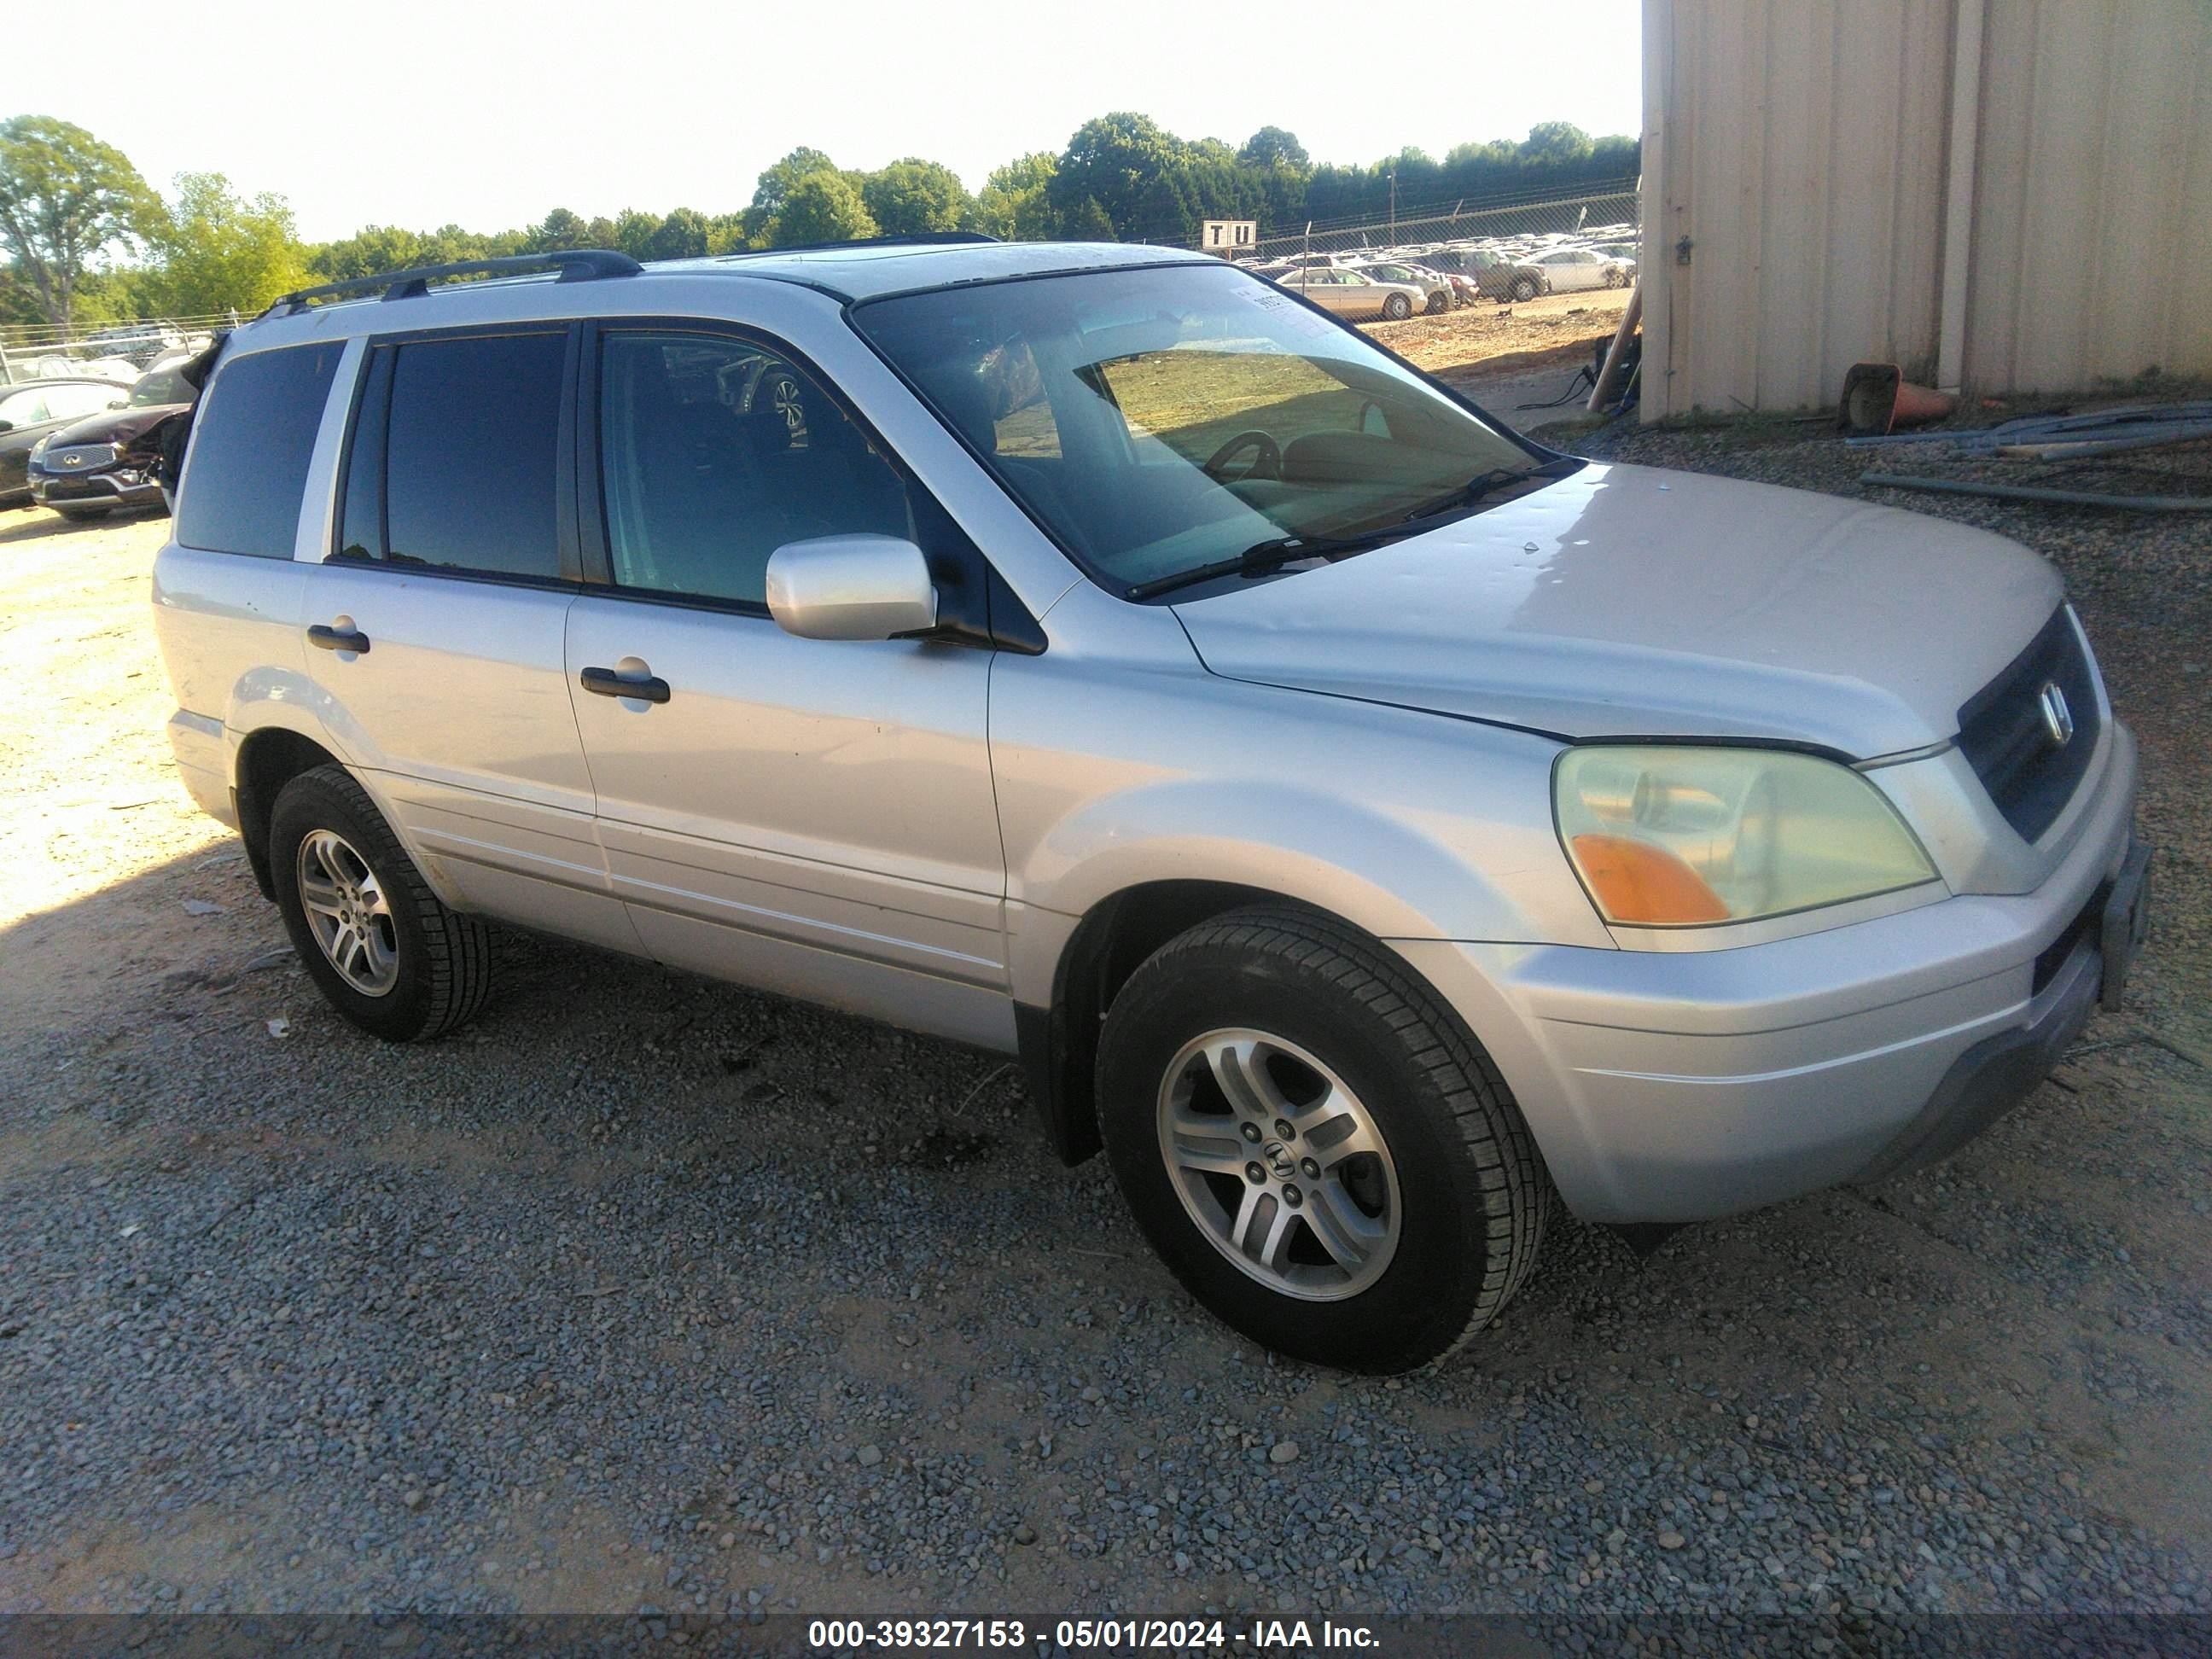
1261,558
1485,484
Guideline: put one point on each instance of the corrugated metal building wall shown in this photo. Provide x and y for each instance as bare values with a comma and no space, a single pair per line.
2009,195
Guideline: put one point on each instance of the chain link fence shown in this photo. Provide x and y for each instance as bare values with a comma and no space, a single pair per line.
1471,235
45,351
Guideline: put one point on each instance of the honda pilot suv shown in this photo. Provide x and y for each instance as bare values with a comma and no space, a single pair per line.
1368,826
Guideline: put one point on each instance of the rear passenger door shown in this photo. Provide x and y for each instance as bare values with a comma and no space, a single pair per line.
436,621
811,816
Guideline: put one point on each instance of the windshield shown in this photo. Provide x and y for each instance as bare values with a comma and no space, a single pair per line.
163,385
1159,421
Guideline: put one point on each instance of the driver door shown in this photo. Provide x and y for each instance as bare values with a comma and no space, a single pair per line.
812,818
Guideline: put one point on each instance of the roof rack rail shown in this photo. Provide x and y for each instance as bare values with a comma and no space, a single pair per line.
582,264
919,239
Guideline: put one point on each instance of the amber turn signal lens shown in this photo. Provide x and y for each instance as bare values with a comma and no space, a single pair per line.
1637,883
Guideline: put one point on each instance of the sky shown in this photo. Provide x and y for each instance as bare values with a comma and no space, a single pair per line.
488,114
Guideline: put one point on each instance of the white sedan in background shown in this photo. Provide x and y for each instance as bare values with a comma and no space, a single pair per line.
1355,294
1572,268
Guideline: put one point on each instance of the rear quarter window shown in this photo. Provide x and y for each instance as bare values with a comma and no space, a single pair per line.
251,445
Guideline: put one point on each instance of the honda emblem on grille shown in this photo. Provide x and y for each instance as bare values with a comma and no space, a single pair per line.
2057,718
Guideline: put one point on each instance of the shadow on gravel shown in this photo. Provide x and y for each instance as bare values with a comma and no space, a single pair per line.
645,1291
35,524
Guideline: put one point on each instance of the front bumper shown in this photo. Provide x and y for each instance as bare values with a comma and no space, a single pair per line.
110,488
1673,1087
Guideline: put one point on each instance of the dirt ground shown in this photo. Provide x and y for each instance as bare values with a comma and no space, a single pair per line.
1490,338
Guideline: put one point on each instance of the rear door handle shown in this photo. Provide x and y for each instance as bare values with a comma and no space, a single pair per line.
337,639
605,683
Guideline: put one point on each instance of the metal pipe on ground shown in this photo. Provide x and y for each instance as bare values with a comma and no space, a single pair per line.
2033,493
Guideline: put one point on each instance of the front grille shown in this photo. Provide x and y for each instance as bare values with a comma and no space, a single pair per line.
77,458
2005,731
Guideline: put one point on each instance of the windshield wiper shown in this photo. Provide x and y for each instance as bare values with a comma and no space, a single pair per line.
1261,558
1483,485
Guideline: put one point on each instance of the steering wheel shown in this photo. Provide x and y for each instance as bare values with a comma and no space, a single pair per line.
1267,457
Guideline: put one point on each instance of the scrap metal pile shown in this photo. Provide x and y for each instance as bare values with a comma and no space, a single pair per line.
2071,446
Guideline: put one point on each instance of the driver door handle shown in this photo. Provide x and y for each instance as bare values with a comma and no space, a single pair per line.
605,683
337,639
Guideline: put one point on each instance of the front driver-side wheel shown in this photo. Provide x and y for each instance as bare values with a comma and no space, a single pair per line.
1397,308
1314,1145
1524,288
378,944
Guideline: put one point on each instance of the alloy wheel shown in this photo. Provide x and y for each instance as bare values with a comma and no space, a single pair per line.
349,913
1279,1164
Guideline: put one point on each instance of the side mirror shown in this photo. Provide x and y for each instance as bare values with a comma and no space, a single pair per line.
850,588
7,426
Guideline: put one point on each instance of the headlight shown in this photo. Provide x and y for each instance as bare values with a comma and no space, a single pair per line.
40,448
1688,836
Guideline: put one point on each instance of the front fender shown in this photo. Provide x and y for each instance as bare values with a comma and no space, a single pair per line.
1405,825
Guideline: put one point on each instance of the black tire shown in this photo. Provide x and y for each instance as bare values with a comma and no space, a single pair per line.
1397,308
1614,277
1441,301
1524,288
444,958
1474,1195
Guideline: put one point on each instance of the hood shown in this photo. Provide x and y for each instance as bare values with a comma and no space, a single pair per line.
114,426
1626,601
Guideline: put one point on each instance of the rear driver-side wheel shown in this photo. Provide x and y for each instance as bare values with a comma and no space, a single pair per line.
378,943
1316,1145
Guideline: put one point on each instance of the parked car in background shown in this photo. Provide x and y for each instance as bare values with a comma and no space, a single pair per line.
1570,269
1623,254
140,343
106,460
1432,283
1494,275
1350,293
31,409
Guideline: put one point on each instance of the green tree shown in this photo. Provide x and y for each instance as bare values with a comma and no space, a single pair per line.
822,207
633,232
63,197
1088,223
682,235
218,250
1014,205
562,228
915,197
371,249
1556,143
725,234
1110,160
1274,147
773,187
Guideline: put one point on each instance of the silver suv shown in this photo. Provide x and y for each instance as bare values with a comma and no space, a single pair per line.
1364,823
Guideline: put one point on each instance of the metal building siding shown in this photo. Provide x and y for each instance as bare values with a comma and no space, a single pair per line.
1802,146
2093,215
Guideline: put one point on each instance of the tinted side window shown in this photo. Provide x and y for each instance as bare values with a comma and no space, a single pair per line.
469,444
714,452
250,445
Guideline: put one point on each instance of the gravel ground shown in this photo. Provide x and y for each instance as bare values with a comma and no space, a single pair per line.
648,1294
